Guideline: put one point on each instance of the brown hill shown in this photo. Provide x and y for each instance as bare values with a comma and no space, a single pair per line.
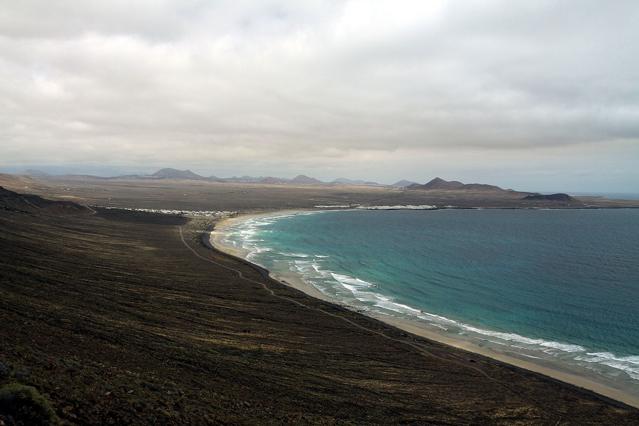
13,201
549,197
19,182
439,184
305,180
128,318
169,173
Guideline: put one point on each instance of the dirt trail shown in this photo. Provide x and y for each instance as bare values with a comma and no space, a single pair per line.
420,349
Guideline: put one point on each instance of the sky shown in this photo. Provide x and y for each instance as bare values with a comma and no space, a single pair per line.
533,95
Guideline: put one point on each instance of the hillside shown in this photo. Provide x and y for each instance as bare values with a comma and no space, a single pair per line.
439,184
20,183
404,183
346,181
549,197
116,319
169,173
13,201
305,180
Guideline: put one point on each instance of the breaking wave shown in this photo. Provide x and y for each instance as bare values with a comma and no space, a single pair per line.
359,294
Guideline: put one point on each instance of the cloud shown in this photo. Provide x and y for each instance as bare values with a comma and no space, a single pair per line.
317,82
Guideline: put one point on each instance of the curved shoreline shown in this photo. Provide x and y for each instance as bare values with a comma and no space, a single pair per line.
295,281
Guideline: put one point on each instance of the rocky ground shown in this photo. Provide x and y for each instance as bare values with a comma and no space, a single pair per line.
114,319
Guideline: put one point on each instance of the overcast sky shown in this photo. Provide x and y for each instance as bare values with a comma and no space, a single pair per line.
537,95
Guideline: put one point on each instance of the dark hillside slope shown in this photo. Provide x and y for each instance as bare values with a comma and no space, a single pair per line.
550,197
10,200
116,321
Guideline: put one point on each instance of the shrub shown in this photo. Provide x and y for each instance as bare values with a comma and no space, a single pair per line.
26,406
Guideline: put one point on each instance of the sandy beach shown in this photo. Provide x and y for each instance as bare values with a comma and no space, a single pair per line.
293,280
217,239
162,327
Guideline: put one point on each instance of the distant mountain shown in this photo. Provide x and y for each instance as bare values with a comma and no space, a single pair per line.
13,201
549,197
439,184
78,177
253,179
122,177
345,181
35,173
305,180
169,173
270,180
404,183
242,179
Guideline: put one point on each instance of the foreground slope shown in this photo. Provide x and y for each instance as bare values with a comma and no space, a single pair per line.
13,201
123,317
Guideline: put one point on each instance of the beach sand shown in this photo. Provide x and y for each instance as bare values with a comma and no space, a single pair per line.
217,239
293,280
148,324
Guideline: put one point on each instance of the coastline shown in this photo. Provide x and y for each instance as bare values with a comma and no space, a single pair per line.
216,239
291,280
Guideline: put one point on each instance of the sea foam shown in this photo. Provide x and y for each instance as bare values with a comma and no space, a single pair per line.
361,294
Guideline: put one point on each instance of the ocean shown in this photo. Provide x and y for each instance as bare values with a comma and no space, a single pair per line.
558,287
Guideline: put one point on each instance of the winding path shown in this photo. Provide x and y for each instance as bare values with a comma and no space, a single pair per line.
420,349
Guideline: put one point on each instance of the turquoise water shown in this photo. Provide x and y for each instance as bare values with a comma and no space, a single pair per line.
557,285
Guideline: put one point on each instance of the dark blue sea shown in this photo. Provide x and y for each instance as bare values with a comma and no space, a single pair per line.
559,286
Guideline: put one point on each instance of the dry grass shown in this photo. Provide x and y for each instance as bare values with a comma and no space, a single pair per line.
115,321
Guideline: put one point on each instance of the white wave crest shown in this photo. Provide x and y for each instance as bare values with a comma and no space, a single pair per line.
399,207
367,297
628,364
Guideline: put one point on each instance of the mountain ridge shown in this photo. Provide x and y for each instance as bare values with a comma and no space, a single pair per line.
435,184
549,197
346,181
28,203
439,184
170,173
404,183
